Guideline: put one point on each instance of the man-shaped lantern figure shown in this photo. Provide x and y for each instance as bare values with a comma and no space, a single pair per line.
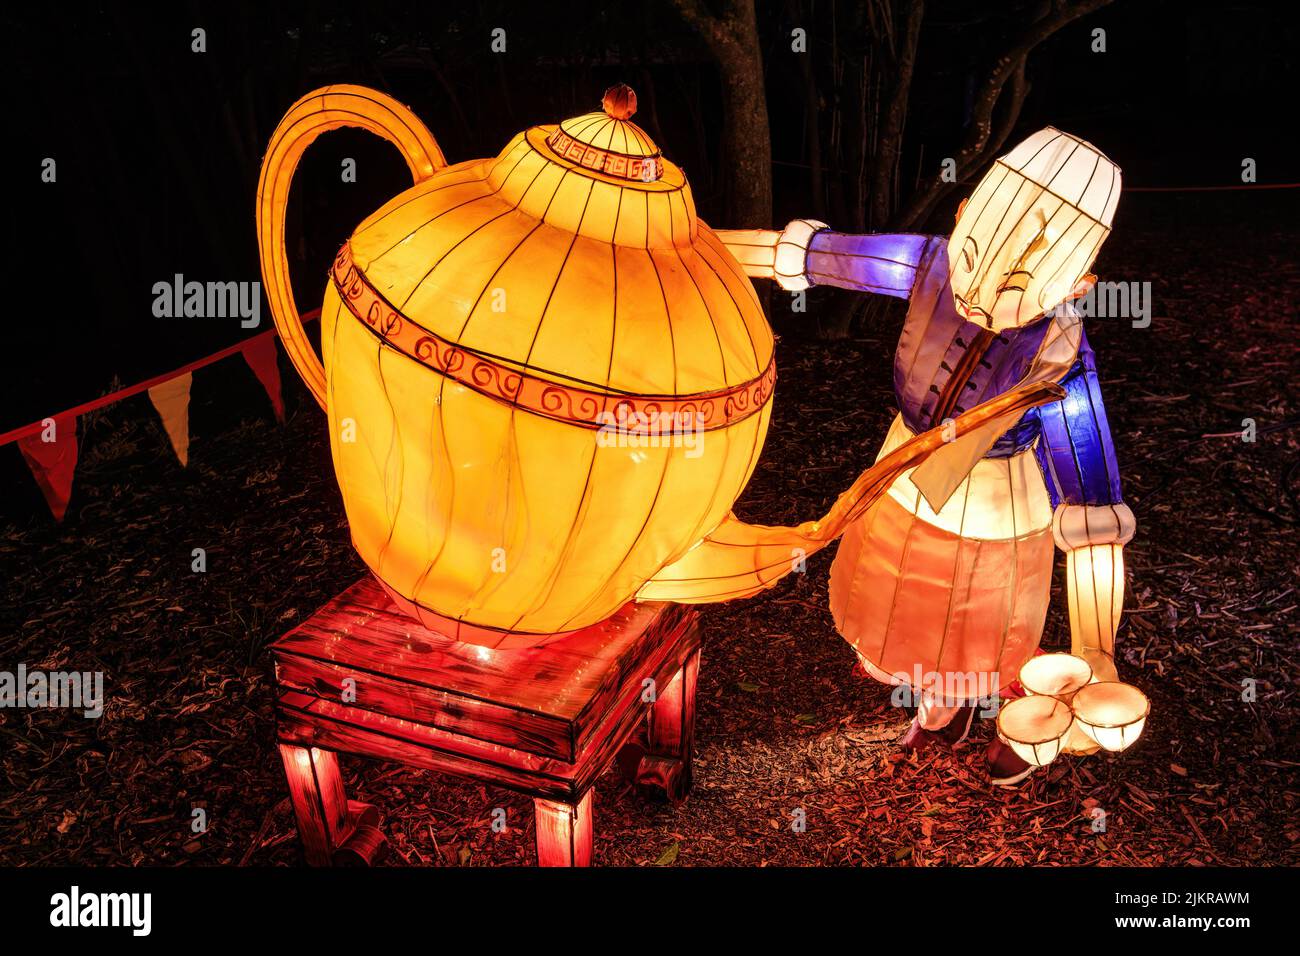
943,585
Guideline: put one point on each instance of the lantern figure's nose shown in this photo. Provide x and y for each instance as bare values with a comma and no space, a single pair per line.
619,102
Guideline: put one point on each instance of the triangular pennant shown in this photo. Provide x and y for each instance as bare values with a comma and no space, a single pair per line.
172,399
51,454
259,353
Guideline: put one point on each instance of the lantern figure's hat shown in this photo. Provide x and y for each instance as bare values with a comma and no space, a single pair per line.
1072,169
1031,229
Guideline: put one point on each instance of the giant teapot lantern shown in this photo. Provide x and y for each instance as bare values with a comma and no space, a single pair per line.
546,380
502,344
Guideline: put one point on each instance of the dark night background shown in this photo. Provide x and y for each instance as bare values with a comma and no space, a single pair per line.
158,148
158,151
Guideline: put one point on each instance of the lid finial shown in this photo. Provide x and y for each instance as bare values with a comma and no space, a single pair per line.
619,101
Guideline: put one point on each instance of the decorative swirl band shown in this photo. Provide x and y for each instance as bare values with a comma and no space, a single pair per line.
640,169
520,388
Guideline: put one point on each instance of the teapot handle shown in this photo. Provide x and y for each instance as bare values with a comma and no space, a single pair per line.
318,112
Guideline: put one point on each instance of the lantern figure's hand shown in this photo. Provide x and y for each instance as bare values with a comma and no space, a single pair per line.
1094,586
768,254
1102,664
1093,538
807,253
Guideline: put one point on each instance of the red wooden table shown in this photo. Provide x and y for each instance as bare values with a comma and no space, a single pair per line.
358,677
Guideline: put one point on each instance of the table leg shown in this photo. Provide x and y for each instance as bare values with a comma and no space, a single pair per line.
333,828
670,734
563,831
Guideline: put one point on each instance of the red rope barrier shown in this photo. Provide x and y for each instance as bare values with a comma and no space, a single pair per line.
1208,189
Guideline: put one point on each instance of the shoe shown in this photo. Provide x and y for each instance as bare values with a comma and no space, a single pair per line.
918,739
1006,769
958,729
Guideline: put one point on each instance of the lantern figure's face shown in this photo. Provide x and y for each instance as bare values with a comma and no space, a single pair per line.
1031,230
546,379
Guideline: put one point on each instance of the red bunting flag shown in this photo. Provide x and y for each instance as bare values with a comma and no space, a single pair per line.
50,446
172,399
51,454
259,353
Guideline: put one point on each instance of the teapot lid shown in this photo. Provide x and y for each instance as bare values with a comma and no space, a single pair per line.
609,142
622,159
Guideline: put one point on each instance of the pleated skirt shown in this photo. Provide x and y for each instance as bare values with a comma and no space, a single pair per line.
951,602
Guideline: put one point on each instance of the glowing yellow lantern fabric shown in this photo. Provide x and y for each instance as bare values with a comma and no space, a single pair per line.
546,380
481,328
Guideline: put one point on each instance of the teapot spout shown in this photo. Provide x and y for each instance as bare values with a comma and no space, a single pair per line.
738,559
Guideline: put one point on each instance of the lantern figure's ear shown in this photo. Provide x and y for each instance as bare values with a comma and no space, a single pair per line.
961,207
1082,287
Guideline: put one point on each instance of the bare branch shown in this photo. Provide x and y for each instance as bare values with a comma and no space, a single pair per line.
1016,92
975,150
747,145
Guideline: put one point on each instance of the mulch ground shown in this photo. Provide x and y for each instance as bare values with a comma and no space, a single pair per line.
784,723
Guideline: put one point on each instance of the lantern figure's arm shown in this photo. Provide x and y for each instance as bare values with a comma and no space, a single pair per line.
807,253
1091,523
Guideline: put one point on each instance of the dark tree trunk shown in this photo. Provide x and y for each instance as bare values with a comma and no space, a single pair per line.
812,124
732,37
893,115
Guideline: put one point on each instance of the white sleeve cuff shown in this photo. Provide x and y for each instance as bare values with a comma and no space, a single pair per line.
790,270
1078,526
